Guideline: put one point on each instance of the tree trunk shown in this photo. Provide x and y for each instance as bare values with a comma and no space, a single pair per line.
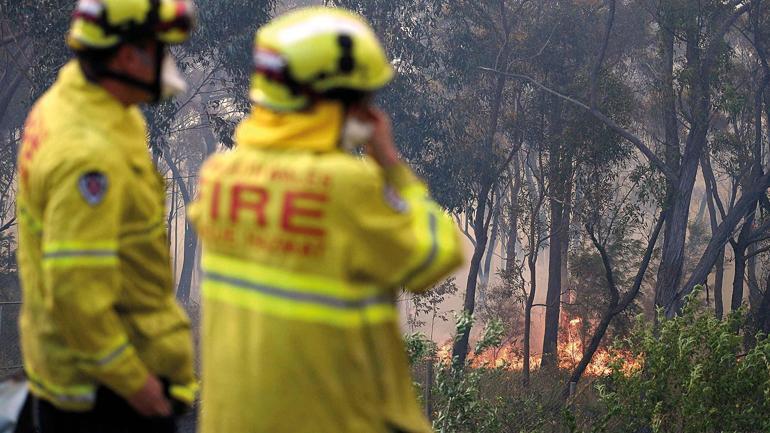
616,304
559,178
719,268
719,276
672,151
744,241
513,223
762,317
528,312
460,348
759,317
755,294
188,266
510,247
190,237
742,207
486,270
428,392
534,253
701,210
553,295
672,257
7,93
739,252
566,290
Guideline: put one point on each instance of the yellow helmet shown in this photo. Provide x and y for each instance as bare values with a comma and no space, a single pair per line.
312,53
105,24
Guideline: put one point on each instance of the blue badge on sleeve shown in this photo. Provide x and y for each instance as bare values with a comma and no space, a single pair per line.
93,186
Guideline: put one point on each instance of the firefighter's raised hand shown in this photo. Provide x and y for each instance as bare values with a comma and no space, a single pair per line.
381,146
151,401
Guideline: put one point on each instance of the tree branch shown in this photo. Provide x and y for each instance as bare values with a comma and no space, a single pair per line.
759,233
11,38
636,141
758,252
742,207
713,48
602,53
711,184
631,294
8,225
613,309
464,229
609,274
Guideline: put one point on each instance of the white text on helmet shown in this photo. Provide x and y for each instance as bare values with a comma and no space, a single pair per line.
321,24
91,8
269,60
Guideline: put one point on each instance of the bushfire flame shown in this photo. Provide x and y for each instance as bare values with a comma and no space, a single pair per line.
570,351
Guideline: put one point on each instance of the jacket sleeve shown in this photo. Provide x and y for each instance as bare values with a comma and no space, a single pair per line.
402,237
82,282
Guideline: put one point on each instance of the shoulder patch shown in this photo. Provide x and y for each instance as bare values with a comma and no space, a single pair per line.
395,201
93,187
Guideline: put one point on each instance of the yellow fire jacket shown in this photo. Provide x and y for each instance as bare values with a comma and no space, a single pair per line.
97,285
304,251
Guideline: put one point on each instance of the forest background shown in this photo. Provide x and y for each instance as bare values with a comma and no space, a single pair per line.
606,161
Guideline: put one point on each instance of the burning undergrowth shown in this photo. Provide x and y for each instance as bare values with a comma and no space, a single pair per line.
507,355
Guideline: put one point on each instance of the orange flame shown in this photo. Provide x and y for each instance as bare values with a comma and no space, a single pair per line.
570,351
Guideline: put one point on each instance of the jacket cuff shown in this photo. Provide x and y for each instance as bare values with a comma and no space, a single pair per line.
126,376
184,393
400,176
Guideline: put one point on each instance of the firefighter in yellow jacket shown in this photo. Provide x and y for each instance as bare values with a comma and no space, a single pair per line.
101,332
305,246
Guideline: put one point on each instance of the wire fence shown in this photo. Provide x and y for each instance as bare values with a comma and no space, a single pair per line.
10,348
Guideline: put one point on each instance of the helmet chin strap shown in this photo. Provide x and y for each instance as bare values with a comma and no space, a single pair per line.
151,88
154,88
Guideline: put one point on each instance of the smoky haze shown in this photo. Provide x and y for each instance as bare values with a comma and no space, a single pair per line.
605,162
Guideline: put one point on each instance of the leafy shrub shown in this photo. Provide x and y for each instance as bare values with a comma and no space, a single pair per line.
460,402
694,376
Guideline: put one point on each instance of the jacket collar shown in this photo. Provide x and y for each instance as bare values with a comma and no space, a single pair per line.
88,96
315,130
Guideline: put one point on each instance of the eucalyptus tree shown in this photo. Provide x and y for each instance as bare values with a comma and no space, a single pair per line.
183,132
615,253
449,112
486,34
750,21
699,30
33,34
566,37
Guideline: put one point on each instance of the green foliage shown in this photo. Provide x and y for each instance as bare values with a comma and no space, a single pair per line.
419,347
492,336
651,189
458,391
218,67
588,276
695,377
461,404
690,374
463,322
40,27
489,400
426,304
